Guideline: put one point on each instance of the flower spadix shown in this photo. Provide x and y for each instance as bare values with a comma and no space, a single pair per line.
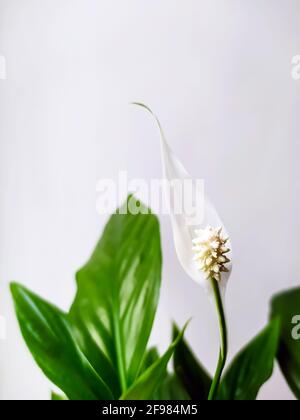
203,247
211,252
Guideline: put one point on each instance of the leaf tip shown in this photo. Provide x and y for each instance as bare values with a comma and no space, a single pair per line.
142,105
178,334
15,289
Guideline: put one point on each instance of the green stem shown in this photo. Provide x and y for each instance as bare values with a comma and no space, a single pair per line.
120,352
223,339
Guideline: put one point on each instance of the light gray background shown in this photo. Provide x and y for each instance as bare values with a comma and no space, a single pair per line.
218,73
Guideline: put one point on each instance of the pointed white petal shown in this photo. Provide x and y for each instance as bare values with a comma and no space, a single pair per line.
183,232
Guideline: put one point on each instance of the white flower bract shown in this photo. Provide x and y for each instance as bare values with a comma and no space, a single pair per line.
203,261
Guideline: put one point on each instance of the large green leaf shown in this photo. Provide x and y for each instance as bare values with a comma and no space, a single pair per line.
252,367
49,338
287,306
191,373
117,296
148,383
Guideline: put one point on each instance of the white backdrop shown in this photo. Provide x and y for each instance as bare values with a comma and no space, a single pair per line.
218,73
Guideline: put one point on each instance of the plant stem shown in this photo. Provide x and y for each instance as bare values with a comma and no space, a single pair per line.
120,352
223,341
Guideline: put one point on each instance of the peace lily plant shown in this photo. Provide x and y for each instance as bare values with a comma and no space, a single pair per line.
99,349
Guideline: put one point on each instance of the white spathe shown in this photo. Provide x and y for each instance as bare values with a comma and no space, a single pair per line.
183,232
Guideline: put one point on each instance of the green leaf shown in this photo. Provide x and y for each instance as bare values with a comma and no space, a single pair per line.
49,338
287,306
252,367
170,388
147,384
151,356
118,291
191,373
58,397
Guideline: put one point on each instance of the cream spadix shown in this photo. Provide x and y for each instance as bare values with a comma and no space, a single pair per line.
203,247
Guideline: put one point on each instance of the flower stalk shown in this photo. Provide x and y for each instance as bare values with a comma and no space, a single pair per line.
223,340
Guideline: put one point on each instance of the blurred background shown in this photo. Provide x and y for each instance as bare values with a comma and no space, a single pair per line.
218,74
